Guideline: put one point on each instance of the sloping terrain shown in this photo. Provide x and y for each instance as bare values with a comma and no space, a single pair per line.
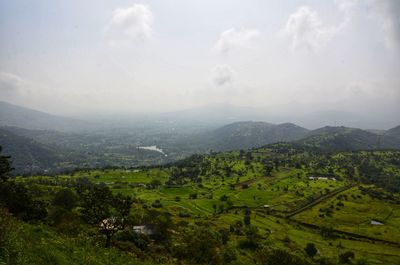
29,156
13,115
250,134
348,139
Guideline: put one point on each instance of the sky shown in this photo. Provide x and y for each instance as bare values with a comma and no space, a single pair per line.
69,57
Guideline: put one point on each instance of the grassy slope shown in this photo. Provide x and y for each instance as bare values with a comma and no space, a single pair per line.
37,244
286,189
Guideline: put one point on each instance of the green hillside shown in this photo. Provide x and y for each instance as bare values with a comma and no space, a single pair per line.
240,207
27,154
334,139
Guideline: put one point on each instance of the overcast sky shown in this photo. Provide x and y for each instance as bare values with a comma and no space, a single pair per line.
84,56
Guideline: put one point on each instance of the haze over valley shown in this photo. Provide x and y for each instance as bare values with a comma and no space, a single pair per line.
186,132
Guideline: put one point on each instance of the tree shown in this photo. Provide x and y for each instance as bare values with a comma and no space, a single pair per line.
161,224
252,240
96,203
201,246
65,199
20,202
155,183
5,166
101,207
311,250
246,219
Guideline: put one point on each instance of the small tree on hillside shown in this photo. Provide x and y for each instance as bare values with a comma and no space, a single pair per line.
247,219
101,207
311,250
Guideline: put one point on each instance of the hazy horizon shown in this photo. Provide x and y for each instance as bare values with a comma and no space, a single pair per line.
287,59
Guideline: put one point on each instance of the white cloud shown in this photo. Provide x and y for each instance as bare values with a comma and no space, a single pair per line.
232,38
130,24
388,13
306,31
222,75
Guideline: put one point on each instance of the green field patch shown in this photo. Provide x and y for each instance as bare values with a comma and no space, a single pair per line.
354,214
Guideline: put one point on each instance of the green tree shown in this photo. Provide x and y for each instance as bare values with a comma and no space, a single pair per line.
101,207
65,199
201,246
311,250
20,202
247,219
161,224
5,167
96,203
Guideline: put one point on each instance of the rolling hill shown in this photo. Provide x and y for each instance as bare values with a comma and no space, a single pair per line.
250,134
349,139
393,133
27,155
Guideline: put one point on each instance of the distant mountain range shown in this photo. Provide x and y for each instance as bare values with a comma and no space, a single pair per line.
39,141
13,115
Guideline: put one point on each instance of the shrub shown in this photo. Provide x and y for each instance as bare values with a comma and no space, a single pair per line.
156,204
346,257
65,199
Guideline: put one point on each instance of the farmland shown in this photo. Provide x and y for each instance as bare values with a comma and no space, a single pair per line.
291,200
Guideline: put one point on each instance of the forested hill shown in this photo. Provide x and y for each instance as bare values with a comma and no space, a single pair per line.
27,154
250,134
348,139
394,133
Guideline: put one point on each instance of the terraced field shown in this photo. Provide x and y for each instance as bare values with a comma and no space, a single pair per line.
287,204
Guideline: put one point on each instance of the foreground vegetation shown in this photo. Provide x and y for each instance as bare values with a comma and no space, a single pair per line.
281,204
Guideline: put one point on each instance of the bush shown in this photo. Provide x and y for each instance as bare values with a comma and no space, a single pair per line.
193,196
156,204
10,248
65,198
346,257
279,257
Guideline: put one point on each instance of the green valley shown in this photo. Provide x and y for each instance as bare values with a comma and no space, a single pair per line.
253,204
